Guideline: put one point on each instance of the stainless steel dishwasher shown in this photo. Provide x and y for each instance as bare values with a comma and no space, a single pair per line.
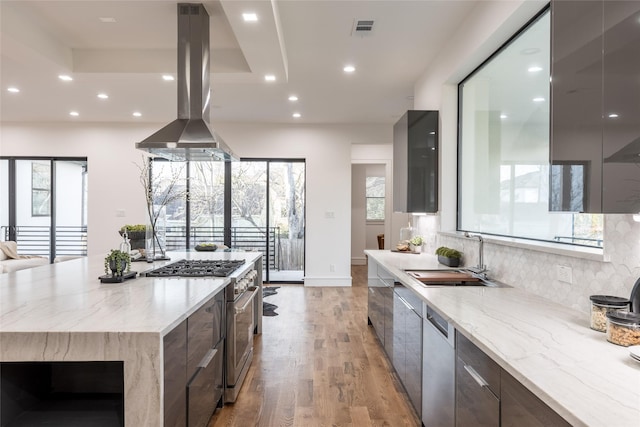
438,370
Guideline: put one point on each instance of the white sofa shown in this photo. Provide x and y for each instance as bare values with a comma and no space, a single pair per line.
9,264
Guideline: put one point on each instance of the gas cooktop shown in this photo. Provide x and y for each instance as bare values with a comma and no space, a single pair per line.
197,268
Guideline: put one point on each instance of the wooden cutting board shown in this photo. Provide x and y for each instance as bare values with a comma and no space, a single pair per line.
442,276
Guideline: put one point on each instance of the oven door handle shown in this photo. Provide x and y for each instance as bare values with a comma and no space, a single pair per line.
245,300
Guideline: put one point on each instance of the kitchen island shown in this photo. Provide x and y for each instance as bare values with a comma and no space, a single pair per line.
547,347
63,313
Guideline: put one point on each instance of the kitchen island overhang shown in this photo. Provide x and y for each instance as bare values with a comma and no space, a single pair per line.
61,312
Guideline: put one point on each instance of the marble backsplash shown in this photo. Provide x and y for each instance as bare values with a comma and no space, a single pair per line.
536,271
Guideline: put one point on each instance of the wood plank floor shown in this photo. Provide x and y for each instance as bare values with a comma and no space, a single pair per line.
318,363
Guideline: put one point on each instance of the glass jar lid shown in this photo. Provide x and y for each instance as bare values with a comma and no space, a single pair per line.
609,300
624,318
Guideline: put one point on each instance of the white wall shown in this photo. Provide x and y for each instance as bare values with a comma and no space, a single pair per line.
114,185
364,234
112,176
488,27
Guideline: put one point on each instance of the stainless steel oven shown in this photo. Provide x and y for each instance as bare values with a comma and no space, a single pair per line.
240,330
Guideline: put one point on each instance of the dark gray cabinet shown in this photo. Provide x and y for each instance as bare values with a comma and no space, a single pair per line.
407,342
595,134
415,162
193,366
477,386
175,376
521,408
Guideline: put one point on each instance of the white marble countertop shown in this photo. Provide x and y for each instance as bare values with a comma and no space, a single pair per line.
68,297
61,312
546,346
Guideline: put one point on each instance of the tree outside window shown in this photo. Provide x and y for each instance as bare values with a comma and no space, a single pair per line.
375,198
40,189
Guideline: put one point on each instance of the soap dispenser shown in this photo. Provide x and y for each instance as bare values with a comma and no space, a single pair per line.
125,246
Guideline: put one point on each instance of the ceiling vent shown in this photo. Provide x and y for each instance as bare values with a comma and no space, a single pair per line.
362,27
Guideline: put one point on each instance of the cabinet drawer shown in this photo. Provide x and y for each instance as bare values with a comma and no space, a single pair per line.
175,376
521,408
476,405
205,389
471,355
200,335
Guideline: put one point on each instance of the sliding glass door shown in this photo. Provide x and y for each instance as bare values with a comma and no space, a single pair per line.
43,206
266,201
267,214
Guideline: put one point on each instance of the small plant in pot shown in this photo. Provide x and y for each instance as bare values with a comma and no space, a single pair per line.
118,262
416,243
449,257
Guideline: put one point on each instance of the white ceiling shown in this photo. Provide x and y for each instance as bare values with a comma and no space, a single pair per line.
304,43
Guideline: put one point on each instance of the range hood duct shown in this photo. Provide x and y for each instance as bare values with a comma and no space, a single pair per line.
189,137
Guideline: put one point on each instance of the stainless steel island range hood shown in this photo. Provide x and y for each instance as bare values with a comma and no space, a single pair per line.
189,137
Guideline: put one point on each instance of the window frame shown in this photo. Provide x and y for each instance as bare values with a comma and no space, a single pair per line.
459,147
366,202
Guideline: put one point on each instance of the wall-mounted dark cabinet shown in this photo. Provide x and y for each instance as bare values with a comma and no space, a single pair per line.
415,162
595,131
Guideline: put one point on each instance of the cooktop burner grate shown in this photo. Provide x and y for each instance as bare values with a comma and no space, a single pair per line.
197,268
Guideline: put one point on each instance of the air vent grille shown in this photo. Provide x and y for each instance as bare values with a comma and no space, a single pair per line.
362,27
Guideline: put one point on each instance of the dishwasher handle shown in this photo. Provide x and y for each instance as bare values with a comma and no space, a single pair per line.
443,327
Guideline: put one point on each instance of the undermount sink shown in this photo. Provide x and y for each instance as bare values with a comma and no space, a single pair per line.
448,277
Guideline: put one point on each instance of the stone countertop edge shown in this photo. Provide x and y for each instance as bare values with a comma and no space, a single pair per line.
546,346
69,298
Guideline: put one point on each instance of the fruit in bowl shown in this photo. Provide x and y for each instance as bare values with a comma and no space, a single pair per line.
206,247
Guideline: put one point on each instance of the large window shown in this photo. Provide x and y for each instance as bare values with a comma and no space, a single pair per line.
375,198
266,203
503,185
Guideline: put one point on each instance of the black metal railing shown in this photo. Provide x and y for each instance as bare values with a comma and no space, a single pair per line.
36,240
247,238
584,241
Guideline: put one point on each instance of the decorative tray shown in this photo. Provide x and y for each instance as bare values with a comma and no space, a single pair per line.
108,278
205,248
405,252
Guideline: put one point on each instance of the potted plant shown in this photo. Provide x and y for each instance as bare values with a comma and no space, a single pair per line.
449,257
118,262
137,234
416,243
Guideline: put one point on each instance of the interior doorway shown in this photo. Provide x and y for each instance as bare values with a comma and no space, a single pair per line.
369,208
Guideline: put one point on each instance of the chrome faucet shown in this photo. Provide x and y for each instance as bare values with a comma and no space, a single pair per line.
481,268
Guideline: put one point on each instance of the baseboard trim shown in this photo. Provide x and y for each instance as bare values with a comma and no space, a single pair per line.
327,282
359,261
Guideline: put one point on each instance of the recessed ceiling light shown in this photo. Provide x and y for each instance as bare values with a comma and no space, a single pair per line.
613,116
293,98
74,113
270,78
349,69
103,96
296,115
168,78
13,89
65,77
534,69
107,19
249,17
137,114
504,116
538,99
